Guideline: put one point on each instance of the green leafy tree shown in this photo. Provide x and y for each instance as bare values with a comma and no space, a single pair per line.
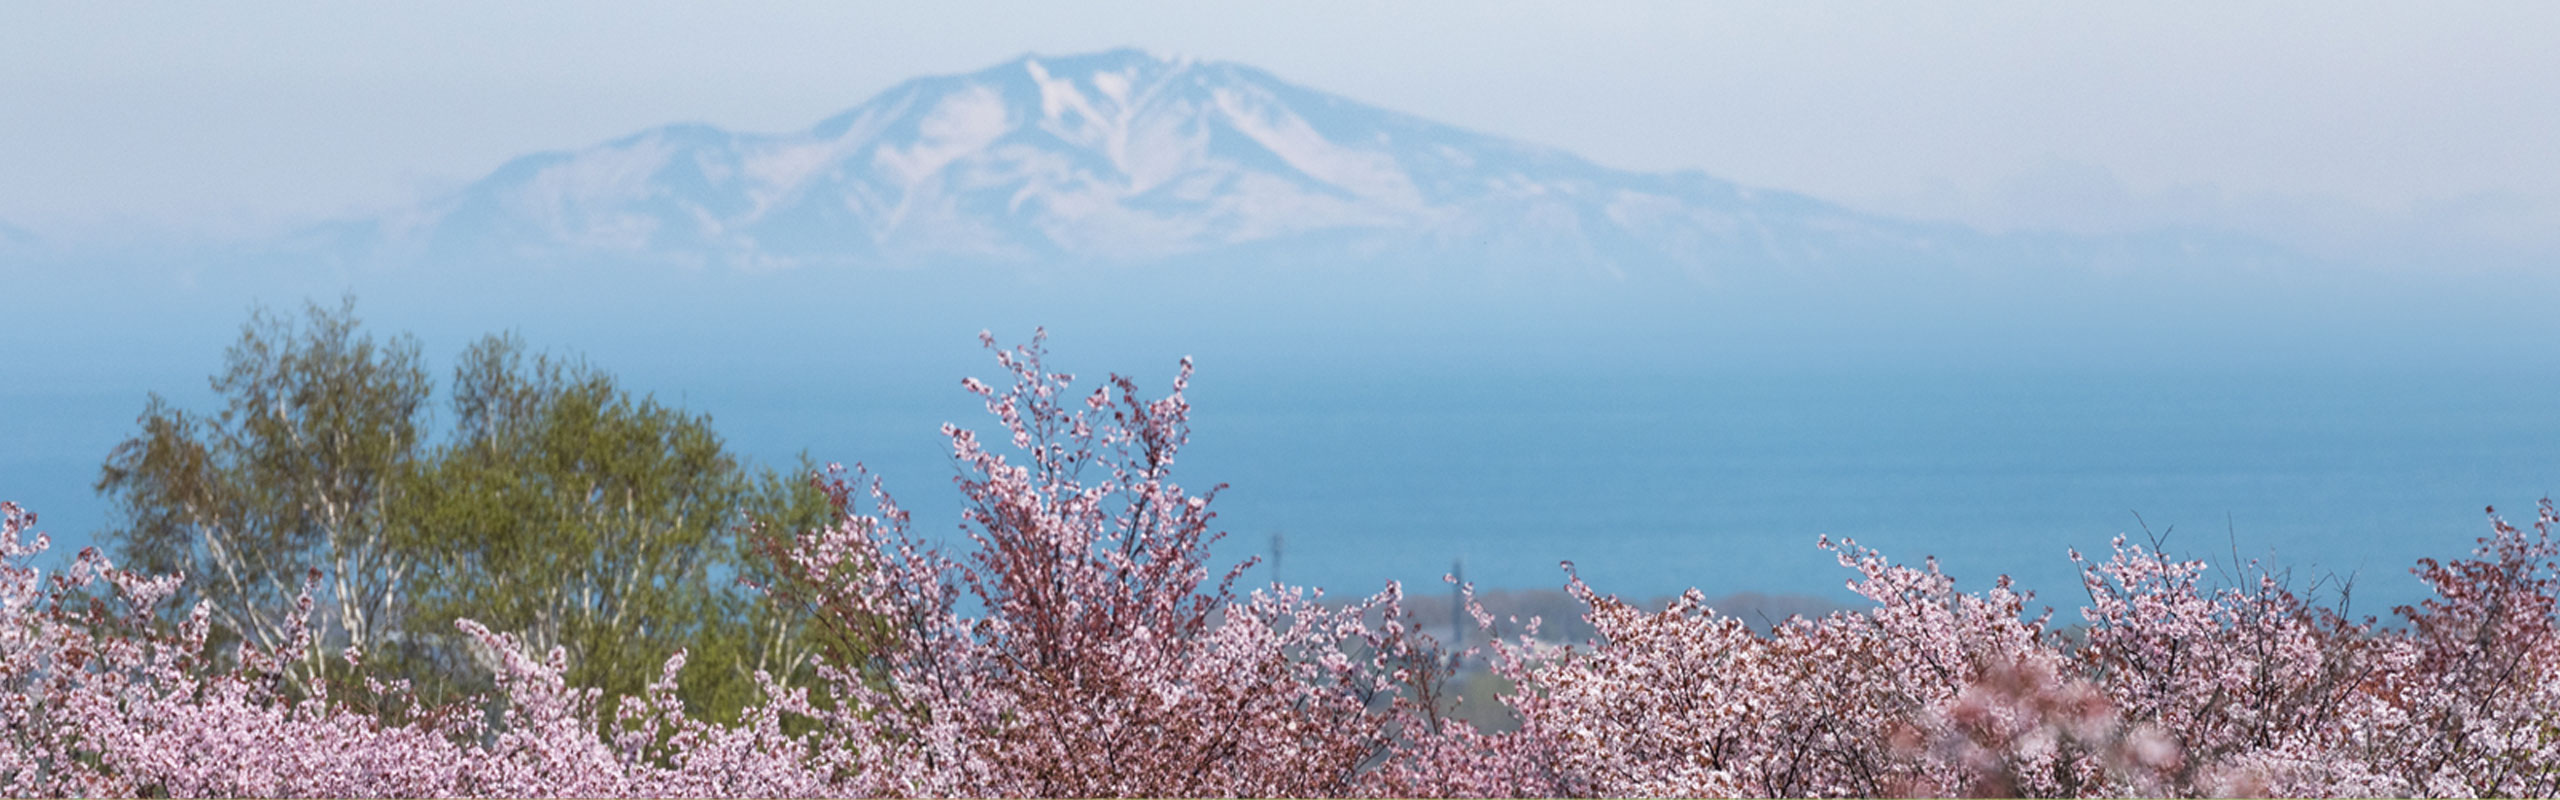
295,474
559,506
583,517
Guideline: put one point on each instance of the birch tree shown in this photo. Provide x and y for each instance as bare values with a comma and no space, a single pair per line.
320,425
557,507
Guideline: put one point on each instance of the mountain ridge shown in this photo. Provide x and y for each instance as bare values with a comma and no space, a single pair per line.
1130,158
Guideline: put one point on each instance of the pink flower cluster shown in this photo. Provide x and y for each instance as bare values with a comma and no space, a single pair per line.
1083,645
2167,688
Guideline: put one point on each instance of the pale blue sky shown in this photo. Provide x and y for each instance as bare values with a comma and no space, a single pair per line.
2334,126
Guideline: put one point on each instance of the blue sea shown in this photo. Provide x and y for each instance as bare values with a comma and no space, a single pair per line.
2340,428
1654,483
1649,481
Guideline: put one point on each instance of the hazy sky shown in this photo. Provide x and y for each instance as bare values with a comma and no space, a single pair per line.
2331,125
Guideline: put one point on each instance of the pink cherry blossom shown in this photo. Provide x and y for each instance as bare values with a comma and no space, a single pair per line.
1080,643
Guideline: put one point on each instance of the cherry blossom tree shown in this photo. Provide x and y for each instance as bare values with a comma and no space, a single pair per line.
1105,656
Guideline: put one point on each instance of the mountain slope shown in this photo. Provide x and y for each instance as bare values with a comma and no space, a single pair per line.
1125,157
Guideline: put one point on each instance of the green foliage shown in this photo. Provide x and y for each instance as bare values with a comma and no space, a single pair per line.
294,474
560,507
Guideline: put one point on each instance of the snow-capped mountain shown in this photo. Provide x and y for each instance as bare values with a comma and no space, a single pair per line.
1130,157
